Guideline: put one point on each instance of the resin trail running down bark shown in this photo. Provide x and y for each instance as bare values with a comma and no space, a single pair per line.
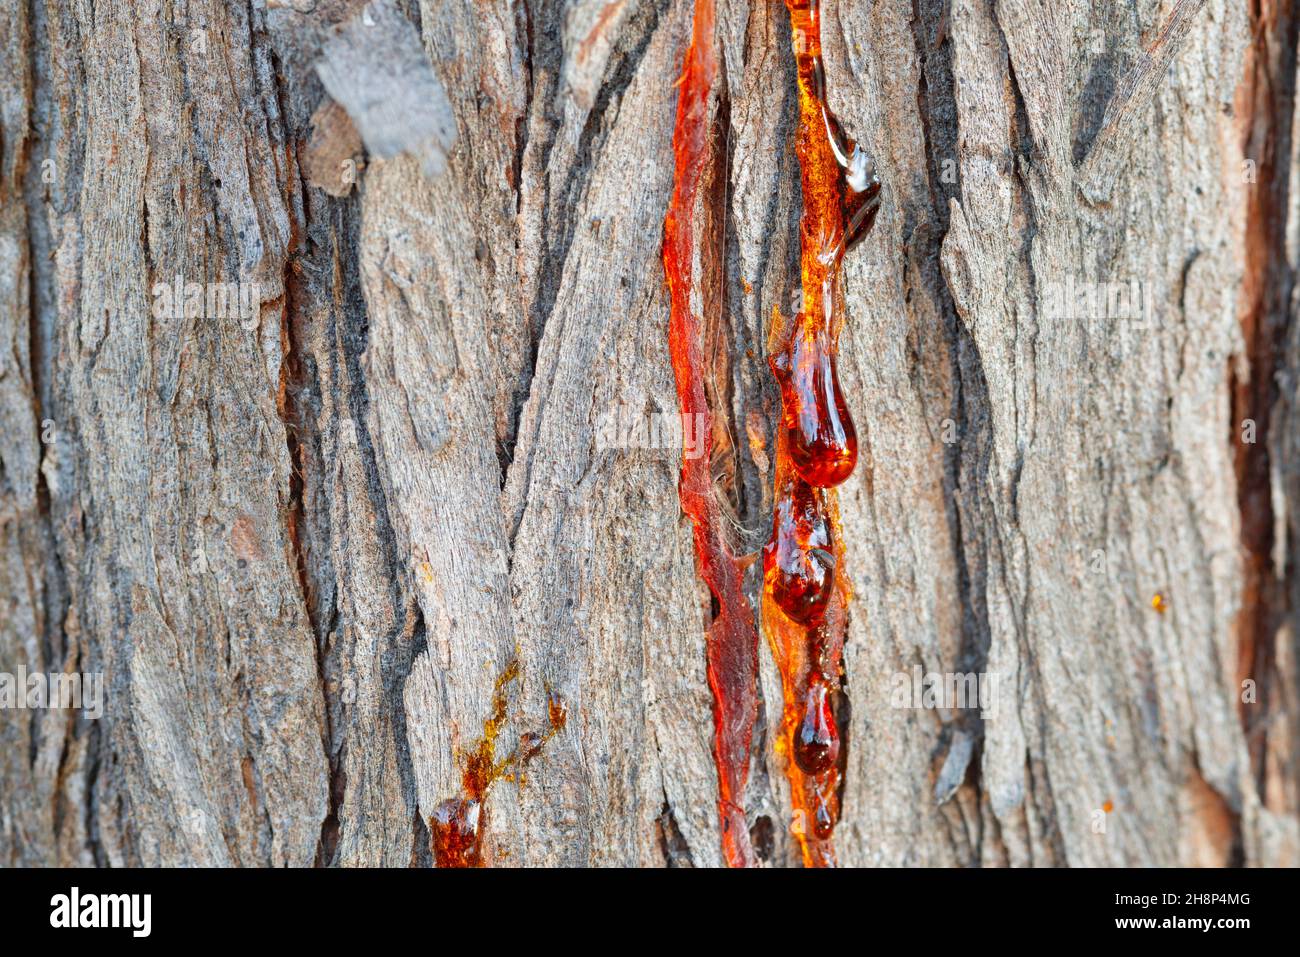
732,639
805,593
457,825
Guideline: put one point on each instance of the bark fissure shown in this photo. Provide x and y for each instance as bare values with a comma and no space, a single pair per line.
562,200
1269,283
965,468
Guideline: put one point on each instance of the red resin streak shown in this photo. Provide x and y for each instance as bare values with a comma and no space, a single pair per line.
731,641
805,594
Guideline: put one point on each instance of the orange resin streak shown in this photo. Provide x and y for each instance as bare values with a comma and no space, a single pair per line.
731,640
805,593
807,654
457,825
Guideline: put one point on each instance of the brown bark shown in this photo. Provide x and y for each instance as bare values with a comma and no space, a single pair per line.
303,548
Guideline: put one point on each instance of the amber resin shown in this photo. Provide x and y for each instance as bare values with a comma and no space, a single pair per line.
805,591
799,561
457,825
823,443
841,195
817,739
732,639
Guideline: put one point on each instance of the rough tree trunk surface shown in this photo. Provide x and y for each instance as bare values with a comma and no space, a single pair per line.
303,549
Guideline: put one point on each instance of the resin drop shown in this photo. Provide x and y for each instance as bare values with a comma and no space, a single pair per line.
817,742
823,442
799,561
456,831
807,594
823,818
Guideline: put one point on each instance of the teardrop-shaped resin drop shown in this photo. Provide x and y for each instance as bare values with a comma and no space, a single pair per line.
456,833
858,184
823,819
799,560
861,197
823,442
817,741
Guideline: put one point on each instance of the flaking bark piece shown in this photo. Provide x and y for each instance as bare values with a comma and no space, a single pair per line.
332,159
376,68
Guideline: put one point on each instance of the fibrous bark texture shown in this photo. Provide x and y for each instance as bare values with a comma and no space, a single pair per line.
303,543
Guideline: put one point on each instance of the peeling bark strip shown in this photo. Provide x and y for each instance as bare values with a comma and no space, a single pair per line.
376,68
732,644
806,593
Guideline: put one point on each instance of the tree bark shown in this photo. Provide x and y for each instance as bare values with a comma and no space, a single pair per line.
303,549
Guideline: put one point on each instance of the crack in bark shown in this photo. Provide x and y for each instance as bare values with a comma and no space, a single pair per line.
28,182
560,209
966,460
297,434
672,843
1268,284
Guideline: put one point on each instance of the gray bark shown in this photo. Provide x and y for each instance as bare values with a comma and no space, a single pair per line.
302,549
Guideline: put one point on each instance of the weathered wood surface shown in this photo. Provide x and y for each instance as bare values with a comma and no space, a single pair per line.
302,548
